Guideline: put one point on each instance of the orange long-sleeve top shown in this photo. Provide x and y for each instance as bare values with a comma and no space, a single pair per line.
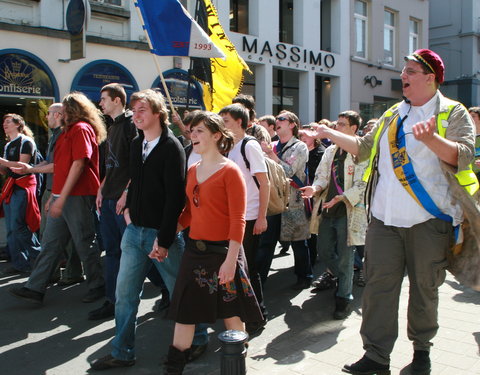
215,209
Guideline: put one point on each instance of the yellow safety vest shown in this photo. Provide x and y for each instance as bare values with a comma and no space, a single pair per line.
466,178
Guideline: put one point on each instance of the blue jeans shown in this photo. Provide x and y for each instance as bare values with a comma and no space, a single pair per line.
112,227
334,252
23,245
137,242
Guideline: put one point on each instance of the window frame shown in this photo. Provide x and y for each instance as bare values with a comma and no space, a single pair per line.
286,34
391,30
412,35
237,24
362,19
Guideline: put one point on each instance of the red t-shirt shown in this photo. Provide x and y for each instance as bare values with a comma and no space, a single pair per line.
78,142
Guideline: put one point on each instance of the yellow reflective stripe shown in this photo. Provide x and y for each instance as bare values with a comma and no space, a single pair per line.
373,152
466,178
443,116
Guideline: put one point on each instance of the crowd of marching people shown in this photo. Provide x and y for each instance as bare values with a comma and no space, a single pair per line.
201,214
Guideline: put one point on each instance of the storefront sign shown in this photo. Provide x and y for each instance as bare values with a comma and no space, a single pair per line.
287,55
177,83
20,75
99,73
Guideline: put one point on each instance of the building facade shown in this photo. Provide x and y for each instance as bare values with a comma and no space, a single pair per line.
455,35
313,57
383,32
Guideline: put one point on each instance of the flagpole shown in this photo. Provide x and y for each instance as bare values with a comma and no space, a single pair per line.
189,81
155,58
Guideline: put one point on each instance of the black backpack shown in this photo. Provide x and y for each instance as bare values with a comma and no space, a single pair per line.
38,158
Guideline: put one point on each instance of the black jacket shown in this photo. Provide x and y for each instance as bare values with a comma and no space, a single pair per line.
117,153
156,195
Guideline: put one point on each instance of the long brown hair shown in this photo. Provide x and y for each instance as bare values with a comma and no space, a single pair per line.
77,107
20,122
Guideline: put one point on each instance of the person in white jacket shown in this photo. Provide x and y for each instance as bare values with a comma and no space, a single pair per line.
342,223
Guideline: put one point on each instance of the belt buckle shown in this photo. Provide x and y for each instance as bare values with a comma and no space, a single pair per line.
200,245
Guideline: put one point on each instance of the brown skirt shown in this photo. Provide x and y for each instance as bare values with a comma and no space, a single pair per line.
198,296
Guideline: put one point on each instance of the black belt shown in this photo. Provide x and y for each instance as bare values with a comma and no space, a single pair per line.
219,247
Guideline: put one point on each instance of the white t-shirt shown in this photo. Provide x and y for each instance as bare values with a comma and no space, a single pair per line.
392,204
254,155
193,158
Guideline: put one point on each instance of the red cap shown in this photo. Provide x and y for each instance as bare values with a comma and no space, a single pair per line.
431,61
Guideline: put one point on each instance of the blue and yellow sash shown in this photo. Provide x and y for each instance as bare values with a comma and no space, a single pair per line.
405,173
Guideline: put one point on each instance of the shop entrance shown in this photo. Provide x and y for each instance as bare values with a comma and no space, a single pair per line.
34,111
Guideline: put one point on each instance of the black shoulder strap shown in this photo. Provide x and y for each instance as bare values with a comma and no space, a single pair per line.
280,154
244,155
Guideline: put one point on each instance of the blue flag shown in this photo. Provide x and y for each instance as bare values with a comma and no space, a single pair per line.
173,32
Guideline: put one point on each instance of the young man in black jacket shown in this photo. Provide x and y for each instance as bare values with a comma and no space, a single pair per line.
112,194
155,199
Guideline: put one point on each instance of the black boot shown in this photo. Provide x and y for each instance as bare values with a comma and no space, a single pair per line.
176,361
421,364
367,366
342,308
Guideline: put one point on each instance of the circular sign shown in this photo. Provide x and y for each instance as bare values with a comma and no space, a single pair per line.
75,17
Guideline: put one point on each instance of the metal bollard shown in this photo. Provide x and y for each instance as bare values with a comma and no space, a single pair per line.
233,352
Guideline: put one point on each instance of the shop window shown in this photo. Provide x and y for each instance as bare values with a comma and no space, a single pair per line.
239,16
389,38
96,74
361,28
413,35
286,21
285,91
326,25
375,109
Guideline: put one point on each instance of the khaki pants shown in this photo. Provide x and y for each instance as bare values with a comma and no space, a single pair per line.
421,250
73,268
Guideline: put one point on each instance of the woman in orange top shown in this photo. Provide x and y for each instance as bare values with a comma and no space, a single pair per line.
212,282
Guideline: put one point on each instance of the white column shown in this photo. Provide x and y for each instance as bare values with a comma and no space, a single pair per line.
340,90
306,24
263,89
306,108
223,9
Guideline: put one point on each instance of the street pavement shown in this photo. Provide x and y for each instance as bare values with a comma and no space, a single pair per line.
301,336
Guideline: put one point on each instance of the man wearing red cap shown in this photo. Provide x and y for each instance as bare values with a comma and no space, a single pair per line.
413,216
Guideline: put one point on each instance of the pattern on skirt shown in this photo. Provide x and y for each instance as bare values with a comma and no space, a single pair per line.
230,289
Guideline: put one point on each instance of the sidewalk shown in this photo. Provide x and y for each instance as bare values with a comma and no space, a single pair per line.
300,338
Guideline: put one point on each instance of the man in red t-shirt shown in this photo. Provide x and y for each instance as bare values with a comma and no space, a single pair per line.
70,209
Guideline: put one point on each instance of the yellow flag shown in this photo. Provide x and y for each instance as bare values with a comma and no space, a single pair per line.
227,75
